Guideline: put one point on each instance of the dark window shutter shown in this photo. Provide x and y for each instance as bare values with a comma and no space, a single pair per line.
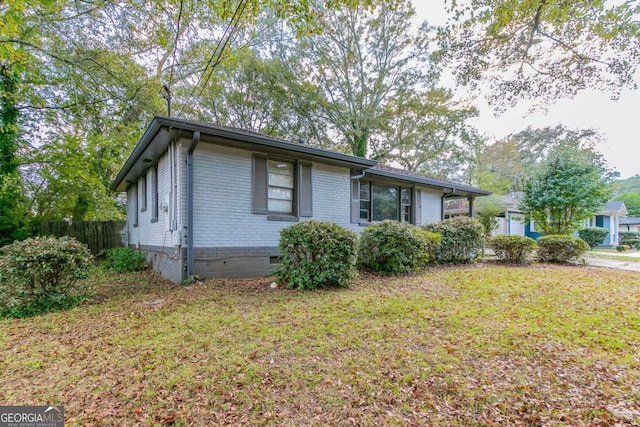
260,183
305,203
355,201
417,211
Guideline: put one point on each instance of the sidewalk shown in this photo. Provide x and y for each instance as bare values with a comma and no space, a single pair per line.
613,263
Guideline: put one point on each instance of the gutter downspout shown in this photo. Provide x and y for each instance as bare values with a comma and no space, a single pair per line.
442,200
190,234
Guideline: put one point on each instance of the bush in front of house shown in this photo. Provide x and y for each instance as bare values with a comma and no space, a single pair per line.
42,274
463,239
593,235
623,248
123,260
391,247
315,255
560,248
513,249
631,238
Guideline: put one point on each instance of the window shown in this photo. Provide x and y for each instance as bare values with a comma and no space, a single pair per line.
379,202
143,193
365,201
280,187
405,205
154,195
134,208
385,202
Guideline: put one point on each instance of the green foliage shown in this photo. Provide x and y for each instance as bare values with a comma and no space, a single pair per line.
316,254
566,190
513,249
487,208
541,49
391,247
12,211
560,248
41,274
123,260
462,239
593,235
631,238
623,248
631,201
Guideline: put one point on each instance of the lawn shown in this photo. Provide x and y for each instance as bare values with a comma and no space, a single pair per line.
478,345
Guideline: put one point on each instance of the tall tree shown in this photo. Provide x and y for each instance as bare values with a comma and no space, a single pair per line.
363,57
426,132
11,206
543,49
503,166
570,187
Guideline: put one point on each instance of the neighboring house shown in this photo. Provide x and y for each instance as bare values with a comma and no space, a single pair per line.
211,200
630,224
511,221
609,218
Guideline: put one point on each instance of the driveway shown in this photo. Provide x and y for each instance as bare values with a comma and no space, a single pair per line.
613,263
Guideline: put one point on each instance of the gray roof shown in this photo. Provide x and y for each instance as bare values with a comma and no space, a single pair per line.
163,130
417,178
615,206
629,221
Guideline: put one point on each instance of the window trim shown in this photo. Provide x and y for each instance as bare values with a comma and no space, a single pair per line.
302,191
155,203
134,190
143,192
399,205
294,188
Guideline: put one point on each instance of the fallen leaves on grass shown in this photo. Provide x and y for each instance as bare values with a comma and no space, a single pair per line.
478,345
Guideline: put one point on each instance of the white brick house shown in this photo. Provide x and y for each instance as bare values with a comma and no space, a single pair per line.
211,200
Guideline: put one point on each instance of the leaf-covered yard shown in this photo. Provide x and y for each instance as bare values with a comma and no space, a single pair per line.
480,345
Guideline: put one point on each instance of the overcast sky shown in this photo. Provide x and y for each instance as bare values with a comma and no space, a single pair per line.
617,121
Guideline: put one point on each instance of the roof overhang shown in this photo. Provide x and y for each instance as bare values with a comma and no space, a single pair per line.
163,130
450,188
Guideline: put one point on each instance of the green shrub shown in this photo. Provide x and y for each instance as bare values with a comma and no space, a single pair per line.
560,248
316,254
626,236
593,235
463,239
391,247
42,274
623,248
123,260
513,249
631,242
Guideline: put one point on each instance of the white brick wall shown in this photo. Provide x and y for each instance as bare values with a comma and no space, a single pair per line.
431,205
150,233
222,199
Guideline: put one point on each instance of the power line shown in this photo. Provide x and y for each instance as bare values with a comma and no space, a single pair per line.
222,44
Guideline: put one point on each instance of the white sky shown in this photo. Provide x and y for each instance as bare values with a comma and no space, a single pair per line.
617,121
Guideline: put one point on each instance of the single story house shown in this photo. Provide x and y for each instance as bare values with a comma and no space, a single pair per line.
609,218
210,200
630,224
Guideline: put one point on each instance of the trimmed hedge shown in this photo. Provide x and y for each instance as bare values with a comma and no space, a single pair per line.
316,254
42,274
593,235
391,247
513,249
463,239
560,248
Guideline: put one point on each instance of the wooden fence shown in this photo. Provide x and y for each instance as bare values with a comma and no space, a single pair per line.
98,235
